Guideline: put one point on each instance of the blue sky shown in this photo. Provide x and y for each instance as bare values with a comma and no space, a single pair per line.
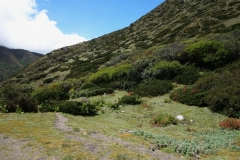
44,25
93,18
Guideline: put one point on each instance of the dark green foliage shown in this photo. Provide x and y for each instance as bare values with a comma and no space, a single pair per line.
189,96
206,54
223,97
130,99
189,75
18,97
27,103
163,70
152,88
77,108
53,92
220,92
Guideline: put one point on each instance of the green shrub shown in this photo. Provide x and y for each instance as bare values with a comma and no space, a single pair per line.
108,74
189,96
163,120
27,103
18,97
77,108
205,54
49,106
223,97
152,88
189,75
52,92
164,70
130,99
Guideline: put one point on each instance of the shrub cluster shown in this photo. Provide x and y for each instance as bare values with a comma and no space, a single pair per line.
70,107
206,54
77,108
152,88
230,123
19,98
219,92
189,96
189,75
164,70
130,99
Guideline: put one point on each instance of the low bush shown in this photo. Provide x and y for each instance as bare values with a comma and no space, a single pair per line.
77,108
163,120
49,106
189,75
52,92
165,70
130,99
189,96
230,123
152,88
205,54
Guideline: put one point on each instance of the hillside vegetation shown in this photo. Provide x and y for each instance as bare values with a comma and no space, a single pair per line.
12,60
184,52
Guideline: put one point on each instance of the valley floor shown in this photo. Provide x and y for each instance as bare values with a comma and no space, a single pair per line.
94,145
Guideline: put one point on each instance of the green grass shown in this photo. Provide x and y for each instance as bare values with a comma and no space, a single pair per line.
39,128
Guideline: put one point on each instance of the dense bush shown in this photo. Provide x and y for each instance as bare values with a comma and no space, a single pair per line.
230,123
189,96
130,99
163,70
17,97
49,106
189,75
152,88
27,103
219,92
206,54
108,74
52,92
163,120
77,108
223,97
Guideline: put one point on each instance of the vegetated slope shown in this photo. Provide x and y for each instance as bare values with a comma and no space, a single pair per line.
169,22
12,60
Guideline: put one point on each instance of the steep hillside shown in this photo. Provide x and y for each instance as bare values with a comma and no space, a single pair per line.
169,22
12,60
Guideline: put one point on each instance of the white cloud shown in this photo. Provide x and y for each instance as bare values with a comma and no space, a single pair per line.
23,26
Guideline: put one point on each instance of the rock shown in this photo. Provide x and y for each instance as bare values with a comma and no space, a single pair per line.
179,117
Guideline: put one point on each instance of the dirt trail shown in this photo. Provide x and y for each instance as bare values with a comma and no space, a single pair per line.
97,143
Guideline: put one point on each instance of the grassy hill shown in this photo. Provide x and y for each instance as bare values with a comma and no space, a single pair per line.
182,58
12,60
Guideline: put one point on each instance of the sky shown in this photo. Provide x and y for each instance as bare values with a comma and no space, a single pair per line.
44,25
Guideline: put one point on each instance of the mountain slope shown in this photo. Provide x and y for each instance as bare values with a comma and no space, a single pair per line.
169,22
11,60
